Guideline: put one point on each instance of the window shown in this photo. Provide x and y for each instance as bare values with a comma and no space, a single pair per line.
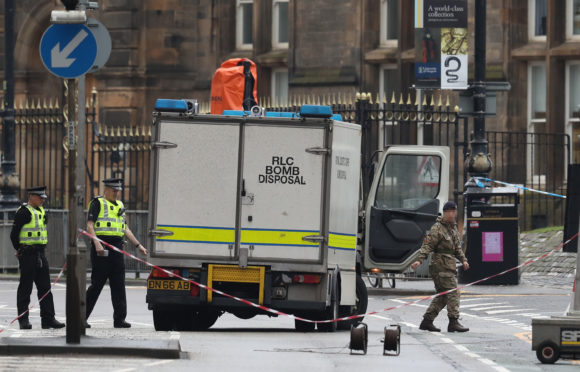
389,81
244,20
389,22
279,87
573,19
537,19
280,24
573,107
536,159
388,84
408,181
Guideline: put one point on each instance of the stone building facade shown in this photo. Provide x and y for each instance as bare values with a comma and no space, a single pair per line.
171,48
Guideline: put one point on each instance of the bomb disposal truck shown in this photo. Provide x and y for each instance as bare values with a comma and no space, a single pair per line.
266,207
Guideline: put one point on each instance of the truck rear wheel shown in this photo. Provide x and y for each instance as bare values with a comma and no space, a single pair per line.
330,313
303,326
163,320
203,319
360,307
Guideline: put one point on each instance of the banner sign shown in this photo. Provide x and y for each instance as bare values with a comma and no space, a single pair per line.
441,44
441,13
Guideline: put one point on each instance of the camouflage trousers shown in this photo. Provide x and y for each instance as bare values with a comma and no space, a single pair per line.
443,280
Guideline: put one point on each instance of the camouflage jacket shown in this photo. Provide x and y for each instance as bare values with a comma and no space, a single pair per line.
443,241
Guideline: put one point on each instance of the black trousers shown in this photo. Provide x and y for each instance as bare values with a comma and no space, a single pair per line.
34,269
113,269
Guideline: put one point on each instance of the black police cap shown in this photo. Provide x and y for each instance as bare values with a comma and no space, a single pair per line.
38,190
449,205
114,183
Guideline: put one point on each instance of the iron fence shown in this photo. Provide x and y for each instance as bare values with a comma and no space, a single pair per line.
57,247
41,152
537,161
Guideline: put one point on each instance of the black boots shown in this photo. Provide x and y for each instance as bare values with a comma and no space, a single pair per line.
24,324
427,325
455,326
121,324
52,323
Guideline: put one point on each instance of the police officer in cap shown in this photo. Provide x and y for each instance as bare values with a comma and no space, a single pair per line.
106,220
443,242
29,237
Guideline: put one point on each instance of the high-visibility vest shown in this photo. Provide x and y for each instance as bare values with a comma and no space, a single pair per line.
34,232
111,219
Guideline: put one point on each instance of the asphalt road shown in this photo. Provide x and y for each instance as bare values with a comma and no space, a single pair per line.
499,340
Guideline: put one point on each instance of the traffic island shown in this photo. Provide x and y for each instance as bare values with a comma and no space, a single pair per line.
159,349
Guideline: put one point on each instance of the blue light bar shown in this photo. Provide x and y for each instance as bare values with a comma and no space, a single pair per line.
171,105
235,113
276,114
337,117
314,111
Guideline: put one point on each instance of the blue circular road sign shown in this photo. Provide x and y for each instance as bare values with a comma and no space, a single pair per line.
68,50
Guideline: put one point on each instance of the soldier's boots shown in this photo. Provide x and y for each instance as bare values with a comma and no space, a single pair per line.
427,325
51,323
24,324
455,326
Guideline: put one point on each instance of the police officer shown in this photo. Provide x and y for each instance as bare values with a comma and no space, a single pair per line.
29,237
106,220
444,243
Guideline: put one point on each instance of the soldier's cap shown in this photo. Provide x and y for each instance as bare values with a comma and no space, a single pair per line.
449,205
38,190
114,183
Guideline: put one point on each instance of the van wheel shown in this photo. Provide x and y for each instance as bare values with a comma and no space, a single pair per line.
548,352
360,307
163,320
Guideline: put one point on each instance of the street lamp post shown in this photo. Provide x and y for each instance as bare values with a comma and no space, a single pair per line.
479,163
9,180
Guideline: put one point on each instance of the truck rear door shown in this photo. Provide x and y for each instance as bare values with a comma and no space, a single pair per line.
282,193
408,192
195,180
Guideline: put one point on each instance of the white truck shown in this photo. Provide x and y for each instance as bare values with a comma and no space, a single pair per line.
267,208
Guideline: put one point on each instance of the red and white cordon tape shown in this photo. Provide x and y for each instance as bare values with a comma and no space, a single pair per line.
37,302
278,312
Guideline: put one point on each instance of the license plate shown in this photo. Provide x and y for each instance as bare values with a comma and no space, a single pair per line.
169,285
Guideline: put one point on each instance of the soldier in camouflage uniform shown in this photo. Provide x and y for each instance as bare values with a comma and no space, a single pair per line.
444,243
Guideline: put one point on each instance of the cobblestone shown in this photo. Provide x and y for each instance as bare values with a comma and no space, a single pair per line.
556,270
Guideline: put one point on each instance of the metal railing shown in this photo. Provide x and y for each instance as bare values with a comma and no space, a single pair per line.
57,247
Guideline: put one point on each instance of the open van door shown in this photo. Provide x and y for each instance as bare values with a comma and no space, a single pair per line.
408,191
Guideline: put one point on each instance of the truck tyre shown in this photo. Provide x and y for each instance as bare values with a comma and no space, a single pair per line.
360,307
203,319
548,352
331,313
303,326
163,320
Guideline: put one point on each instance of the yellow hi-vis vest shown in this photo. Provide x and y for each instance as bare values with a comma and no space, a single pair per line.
34,232
109,222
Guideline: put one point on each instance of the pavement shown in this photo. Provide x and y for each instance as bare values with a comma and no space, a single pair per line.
553,272
90,345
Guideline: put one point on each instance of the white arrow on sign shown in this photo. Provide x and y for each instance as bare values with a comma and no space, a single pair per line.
59,58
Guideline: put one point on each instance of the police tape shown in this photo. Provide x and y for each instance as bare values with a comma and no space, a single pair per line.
351,317
2,329
515,185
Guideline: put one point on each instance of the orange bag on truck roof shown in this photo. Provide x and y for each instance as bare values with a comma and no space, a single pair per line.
233,86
